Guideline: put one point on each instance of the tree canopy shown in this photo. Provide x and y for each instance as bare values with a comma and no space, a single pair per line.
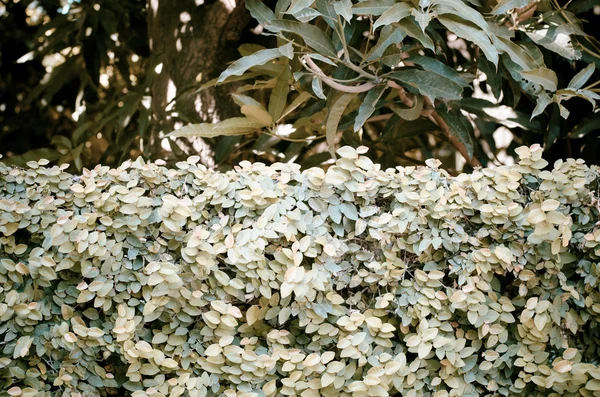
466,81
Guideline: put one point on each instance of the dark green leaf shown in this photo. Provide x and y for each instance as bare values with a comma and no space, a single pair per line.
312,35
410,28
338,106
472,33
389,36
429,84
459,125
367,108
493,76
435,66
589,124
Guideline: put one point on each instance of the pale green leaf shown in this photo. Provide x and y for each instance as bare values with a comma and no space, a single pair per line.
261,57
558,42
338,106
542,76
368,105
321,58
422,17
317,87
582,77
394,14
543,100
410,114
297,102
307,14
516,53
312,35
505,6
242,100
344,9
278,98
257,114
260,11
372,7
298,5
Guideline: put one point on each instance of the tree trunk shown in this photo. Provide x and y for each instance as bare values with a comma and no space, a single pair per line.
191,40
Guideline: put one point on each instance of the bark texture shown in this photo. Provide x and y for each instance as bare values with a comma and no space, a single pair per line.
192,37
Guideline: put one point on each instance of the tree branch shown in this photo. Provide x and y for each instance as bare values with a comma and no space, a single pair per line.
330,82
434,116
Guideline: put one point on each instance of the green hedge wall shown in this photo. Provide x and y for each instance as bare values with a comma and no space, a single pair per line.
266,281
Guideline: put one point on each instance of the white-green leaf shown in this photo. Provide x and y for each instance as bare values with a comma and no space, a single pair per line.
398,12
260,11
298,5
372,7
338,106
410,114
543,100
368,105
470,32
260,57
307,14
317,87
505,6
422,17
389,36
242,100
312,35
321,58
429,84
344,9
558,42
582,77
542,76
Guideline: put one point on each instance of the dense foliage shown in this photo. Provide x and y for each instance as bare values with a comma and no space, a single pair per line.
80,82
404,75
262,281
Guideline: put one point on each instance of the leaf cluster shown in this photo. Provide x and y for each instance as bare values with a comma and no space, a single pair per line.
266,280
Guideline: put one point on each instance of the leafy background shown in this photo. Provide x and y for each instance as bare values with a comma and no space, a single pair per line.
88,83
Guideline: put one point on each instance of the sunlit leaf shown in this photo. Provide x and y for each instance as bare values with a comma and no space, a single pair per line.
542,76
261,57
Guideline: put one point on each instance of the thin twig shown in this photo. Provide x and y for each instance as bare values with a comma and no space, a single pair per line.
330,82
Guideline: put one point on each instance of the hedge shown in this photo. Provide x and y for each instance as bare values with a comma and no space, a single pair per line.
269,280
